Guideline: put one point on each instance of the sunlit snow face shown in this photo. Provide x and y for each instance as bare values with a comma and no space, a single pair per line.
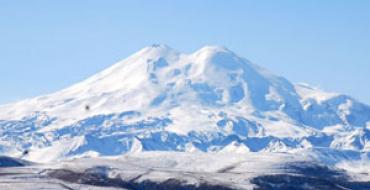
159,99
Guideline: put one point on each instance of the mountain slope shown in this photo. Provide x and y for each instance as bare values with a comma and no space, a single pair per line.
160,99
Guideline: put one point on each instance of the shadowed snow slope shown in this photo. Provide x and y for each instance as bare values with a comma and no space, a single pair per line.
160,99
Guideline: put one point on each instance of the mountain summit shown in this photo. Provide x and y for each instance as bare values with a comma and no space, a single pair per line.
160,99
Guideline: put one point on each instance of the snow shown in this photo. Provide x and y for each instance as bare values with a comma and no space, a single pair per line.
230,169
136,146
359,168
235,147
308,92
159,99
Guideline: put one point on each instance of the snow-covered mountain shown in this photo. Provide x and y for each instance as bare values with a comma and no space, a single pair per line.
161,100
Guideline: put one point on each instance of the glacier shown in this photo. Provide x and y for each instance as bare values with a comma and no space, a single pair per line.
159,99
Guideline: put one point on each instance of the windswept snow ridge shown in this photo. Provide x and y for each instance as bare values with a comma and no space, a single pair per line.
161,100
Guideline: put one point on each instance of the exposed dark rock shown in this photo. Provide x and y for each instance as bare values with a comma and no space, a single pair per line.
104,181
304,175
6,161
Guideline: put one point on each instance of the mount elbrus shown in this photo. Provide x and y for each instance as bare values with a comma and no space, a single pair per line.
161,100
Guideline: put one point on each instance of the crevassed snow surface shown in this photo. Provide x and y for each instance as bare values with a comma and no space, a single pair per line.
161,100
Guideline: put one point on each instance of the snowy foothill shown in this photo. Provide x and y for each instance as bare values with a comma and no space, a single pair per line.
185,170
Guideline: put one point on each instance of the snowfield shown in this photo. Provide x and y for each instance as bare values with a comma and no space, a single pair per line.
162,114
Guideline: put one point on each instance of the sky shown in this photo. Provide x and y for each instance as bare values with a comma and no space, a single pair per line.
47,45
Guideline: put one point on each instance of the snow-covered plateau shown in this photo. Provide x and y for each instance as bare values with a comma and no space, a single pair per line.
206,118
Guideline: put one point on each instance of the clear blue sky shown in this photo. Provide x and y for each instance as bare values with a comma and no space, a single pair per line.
48,45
